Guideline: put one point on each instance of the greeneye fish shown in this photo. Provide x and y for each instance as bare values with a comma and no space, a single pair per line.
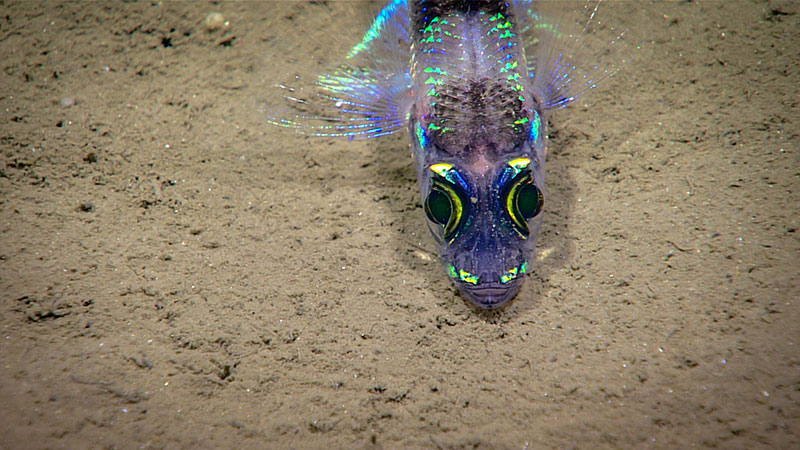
473,82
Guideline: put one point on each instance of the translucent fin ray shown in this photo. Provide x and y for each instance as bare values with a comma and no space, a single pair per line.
368,95
571,49
568,50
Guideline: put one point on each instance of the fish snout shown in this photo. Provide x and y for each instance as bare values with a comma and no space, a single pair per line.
490,296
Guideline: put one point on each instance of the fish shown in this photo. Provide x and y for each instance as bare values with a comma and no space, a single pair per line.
473,83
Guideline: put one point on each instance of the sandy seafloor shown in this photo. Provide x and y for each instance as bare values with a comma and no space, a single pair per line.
175,273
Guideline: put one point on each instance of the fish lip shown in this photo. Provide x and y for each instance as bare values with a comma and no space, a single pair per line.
490,296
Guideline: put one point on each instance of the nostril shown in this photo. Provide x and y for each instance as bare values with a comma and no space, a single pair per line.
489,277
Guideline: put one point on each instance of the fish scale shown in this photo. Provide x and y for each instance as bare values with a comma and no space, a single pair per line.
472,81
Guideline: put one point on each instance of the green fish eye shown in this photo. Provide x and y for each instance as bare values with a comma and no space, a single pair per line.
438,207
444,204
529,200
523,199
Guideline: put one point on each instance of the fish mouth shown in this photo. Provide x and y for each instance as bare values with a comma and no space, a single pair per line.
489,296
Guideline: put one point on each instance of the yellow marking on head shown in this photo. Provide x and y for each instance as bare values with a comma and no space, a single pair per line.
441,169
520,163
467,277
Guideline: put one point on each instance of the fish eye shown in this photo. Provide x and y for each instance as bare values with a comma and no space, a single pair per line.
438,207
529,200
523,199
445,203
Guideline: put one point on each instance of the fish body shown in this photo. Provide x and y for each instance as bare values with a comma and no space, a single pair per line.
472,82
479,143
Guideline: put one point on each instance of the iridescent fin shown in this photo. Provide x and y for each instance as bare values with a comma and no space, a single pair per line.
366,96
570,49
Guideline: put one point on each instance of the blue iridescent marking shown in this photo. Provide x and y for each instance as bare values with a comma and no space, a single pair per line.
423,139
375,30
537,123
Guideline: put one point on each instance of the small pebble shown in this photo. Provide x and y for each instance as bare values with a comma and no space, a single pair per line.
86,207
214,21
68,102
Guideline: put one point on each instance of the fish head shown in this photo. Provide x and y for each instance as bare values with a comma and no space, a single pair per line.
483,207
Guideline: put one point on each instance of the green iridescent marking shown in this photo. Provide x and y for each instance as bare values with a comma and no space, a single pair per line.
513,77
467,277
434,70
514,273
432,29
452,271
522,121
430,39
508,276
509,67
441,130
499,16
423,141
432,80
433,93
537,123
507,34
